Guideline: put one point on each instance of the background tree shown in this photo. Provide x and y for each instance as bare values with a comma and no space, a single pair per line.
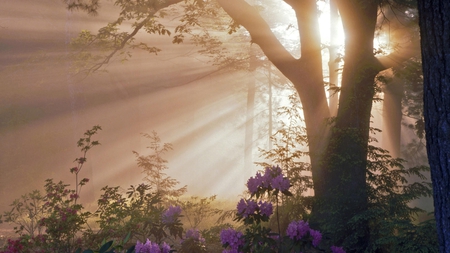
153,165
434,16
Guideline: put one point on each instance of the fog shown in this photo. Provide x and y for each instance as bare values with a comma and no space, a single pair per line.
192,104
45,110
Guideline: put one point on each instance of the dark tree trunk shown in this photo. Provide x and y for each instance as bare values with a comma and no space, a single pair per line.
340,187
434,22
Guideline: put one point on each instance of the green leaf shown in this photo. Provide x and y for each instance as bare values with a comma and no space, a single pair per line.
127,237
105,247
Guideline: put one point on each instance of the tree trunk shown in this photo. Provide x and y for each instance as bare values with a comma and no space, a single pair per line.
392,116
340,187
434,19
251,90
333,64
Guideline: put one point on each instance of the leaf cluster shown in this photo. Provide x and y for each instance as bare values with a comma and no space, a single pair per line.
391,218
197,209
109,247
137,212
26,212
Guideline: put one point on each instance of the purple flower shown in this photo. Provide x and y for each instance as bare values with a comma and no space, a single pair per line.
317,237
336,249
241,206
171,214
266,178
230,251
151,247
165,248
281,183
276,170
195,235
254,182
247,207
297,229
252,207
266,208
231,237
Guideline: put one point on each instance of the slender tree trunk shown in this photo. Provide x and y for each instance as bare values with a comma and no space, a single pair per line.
392,116
270,105
434,20
333,64
251,89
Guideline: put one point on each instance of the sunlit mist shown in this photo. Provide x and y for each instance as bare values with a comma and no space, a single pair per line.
196,106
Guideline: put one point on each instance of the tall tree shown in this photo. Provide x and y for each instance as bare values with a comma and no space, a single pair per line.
434,20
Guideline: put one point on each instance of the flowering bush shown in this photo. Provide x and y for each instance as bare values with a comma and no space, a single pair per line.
258,238
171,214
151,247
193,242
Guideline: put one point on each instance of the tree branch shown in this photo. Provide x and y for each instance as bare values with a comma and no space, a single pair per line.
247,16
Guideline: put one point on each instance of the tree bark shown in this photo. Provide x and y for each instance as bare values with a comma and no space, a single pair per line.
434,20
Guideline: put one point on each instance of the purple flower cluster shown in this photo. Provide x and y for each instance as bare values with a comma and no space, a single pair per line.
317,237
298,229
272,178
250,207
336,249
232,238
195,235
151,247
170,215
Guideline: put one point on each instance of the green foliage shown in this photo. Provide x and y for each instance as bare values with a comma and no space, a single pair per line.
26,213
139,213
257,236
287,152
212,237
153,166
196,210
64,217
109,247
193,242
89,6
391,219
93,51
410,73
54,222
